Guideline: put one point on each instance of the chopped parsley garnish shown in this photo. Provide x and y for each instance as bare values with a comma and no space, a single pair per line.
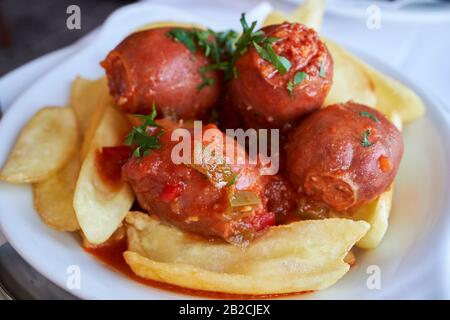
322,72
365,139
369,115
139,138
224,48
233,180
261,43
298,79
217,46
185,37
267,53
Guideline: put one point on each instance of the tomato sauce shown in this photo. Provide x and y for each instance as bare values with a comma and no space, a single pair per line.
109,162
112,255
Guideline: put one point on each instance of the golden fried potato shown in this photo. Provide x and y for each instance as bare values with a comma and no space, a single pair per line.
84,98
53,197
301,256
310,13
162,24
391,95
99,208
350,81
103,100
376,213
44,145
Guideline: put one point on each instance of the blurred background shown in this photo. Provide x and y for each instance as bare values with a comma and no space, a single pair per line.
413,35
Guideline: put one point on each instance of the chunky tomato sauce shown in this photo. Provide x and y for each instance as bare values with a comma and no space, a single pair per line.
112,255
109,162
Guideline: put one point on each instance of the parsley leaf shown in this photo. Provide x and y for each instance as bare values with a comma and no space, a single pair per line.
369,115
217,46
262,45
185,37
322,71
139,137
365,139
267,53
233,180
298,79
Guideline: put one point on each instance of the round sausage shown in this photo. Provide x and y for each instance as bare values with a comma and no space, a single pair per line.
261,94
226,199
344,155
151,67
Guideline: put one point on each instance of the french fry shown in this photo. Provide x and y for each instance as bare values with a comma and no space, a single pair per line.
163,24
301,256
391,95
84,98
376,213
103,100
53,197
350,81
310,13
99,208
45,144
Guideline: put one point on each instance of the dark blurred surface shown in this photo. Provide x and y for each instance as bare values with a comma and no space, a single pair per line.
31,28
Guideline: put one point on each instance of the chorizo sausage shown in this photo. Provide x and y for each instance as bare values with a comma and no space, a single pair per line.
264,97
185,195
344,155
151,67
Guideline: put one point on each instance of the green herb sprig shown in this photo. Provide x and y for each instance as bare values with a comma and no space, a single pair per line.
365,139
224,48
139,137
298,79
322,72
369,115
261,43
217,46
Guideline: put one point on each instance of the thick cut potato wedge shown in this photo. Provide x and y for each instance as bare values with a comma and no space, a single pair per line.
391,95
376,213
301,256
100,209
310,13
350,81
192,277
84,99
162,24
103,100
43,147
53,197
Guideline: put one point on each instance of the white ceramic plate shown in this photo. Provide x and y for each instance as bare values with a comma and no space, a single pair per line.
399,10
413,245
